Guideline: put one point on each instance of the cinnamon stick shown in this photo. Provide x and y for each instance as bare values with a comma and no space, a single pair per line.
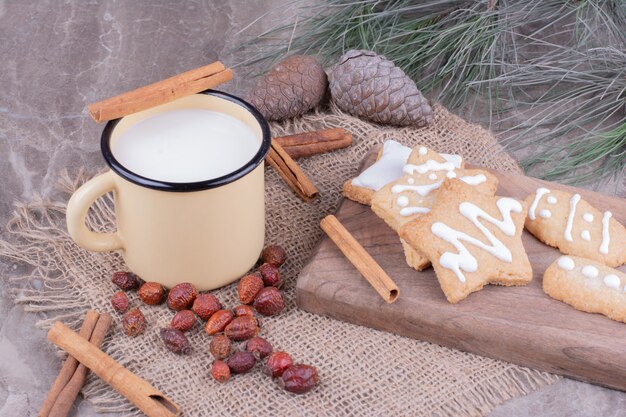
361,260
68,395
144,396
312,143
289,171
161,92
69,366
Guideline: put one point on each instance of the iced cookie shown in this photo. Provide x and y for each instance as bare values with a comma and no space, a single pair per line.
587,285
415,192
388,167
567,222
472,239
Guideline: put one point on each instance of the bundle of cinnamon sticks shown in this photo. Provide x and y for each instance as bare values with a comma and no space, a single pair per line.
72,375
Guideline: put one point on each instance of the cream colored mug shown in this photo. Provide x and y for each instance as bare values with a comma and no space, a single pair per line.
208,233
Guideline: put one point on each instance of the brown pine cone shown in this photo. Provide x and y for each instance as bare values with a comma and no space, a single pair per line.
291,88
370,86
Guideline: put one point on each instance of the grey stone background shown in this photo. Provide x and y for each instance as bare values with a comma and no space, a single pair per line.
56,57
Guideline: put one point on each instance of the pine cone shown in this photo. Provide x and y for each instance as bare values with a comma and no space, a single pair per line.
293,87
370,86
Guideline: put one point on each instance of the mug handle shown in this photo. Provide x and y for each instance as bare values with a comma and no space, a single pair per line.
77,209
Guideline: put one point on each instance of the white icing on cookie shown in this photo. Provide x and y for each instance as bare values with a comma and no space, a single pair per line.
473,179
420,189
410,181
588,217
422,150
432,176
409,211
570,217
538,194
590,271
552,199
403,201
451,174
585,235
387,169
566,263
464,260
612,281
545,213
429,165
455,159
606,238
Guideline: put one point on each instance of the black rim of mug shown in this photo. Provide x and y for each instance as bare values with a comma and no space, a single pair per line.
125,173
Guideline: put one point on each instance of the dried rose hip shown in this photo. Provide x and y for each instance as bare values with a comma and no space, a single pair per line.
176,341
134,322
220,346
259,346
126,280
120,302
205,305
218,321
276,364
274,255
183,320
299,379
243,310
181,296
271,275
241,362
220,371
152,293
242,328
269,301
248,287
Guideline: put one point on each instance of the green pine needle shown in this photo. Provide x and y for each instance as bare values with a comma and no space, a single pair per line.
561,63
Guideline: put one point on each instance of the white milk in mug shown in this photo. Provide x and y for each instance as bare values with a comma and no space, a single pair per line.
188,185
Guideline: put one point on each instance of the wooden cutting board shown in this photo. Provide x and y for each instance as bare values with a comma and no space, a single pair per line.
521,325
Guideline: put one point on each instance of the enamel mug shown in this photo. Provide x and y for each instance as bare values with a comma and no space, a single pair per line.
208,233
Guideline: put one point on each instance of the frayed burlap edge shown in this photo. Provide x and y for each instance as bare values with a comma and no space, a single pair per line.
432,381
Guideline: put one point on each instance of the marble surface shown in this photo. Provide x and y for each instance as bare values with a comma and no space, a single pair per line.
57,56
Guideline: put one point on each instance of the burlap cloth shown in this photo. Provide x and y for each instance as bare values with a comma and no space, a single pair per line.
363,371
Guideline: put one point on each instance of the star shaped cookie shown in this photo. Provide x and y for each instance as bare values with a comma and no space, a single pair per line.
415,193
472,239
388,167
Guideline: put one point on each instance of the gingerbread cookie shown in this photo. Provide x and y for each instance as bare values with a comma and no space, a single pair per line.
472,239
415,192
388,167
587,285
567,222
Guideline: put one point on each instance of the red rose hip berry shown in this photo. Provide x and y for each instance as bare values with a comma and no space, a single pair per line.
220,371
299,379
274,255
126,280
248,287
269,301
181,296
205,305
183,320
271,275
152,293
259,346
277,363
120,302
241,362
134,322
